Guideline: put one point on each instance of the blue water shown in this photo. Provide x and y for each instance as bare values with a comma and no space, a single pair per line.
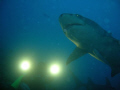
31,28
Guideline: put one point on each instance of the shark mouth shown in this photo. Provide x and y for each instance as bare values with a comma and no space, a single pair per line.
70,25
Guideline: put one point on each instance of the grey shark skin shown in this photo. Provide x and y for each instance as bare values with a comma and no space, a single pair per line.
90,38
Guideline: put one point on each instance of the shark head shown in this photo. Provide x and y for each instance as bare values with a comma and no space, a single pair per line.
69,20
74,26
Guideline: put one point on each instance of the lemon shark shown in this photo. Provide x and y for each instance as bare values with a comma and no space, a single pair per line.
91,38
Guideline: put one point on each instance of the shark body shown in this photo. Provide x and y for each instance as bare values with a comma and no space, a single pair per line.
90,38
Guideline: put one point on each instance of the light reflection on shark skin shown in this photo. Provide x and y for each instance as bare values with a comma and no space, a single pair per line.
90,38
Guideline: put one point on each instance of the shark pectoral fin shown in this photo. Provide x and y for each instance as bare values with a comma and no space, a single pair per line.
75,55
99,56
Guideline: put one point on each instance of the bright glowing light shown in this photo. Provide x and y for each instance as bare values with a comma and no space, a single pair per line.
25,65
54,69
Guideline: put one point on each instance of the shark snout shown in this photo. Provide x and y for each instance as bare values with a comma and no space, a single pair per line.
65,14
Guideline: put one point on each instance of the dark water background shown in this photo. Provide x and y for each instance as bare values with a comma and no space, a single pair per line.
31,28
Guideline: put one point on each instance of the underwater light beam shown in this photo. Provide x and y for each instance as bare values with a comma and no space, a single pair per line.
25,65
54,69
